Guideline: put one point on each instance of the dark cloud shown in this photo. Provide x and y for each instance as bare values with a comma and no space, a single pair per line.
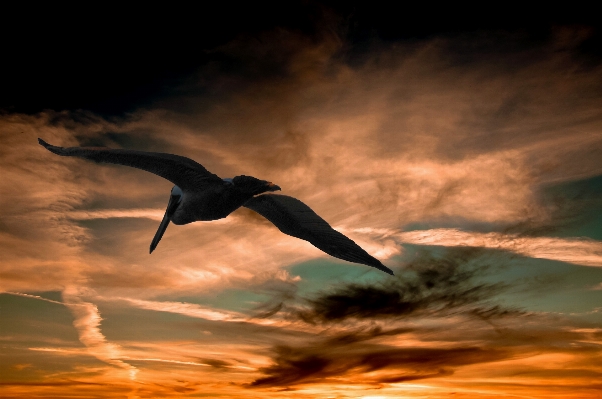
354,336
280,287
353,356
321,363
216,363
428,286
440,286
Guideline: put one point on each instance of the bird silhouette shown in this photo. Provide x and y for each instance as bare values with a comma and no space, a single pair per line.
201,195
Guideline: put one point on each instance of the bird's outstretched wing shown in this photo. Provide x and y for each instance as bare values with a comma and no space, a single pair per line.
296,219
183,172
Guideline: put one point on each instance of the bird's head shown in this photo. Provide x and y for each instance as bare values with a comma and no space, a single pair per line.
176,192
253,186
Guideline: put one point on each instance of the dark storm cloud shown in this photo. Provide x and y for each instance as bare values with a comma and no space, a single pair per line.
353,336
443,286
328,362
379,356
428,286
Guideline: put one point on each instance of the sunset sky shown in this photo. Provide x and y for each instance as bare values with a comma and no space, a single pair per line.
465,155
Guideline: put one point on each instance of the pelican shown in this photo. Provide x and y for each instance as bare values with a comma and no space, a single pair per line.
201,195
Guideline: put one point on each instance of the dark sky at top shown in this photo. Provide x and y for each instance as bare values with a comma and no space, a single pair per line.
114,60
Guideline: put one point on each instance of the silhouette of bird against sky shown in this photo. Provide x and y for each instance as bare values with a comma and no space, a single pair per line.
201,195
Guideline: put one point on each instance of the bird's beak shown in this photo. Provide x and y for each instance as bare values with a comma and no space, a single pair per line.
174,201
273,187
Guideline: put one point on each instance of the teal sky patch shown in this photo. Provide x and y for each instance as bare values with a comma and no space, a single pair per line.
576,207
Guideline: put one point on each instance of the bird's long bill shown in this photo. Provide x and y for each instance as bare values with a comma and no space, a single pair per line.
174,201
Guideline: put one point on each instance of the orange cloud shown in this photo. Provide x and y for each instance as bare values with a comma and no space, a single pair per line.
87,323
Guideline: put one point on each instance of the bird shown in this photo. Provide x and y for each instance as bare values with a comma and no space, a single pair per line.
199,195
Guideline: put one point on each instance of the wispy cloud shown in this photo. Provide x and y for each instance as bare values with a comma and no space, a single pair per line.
154,214
62,351
428,286
187,309
579,251
34,297
330,363
436,319
87,323
207,313
209,363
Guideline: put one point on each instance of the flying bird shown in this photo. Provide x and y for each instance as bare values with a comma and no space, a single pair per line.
201,195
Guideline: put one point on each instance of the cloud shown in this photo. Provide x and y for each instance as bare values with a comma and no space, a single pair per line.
579,251
51,384
377,333
208,313
390,140
34,297
169,361
371,364
379,354
437,319
154,214
87,323
187,309
434,286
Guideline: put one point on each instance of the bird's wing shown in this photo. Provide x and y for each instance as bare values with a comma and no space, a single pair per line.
183,172
296,219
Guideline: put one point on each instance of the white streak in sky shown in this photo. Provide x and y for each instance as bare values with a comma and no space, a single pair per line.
186,309
143,213
169,361
149,213
64,351
186,363
87,323
200,312
579,251
32,297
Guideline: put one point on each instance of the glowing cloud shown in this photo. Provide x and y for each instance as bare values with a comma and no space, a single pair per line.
87,323
578,251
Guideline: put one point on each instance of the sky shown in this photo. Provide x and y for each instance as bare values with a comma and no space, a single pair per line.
464,153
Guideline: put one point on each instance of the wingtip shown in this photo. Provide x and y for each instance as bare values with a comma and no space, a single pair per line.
383,268
50,147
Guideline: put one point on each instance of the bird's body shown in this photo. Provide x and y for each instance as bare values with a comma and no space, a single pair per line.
211,204
201,195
